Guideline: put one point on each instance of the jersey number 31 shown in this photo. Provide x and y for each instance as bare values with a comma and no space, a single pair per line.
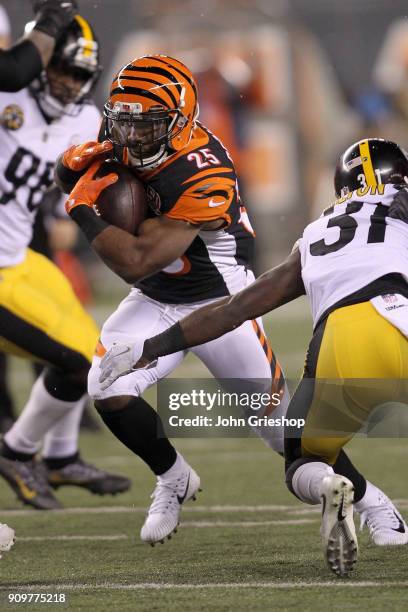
348,227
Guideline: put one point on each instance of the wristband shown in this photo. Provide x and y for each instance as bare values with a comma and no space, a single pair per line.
90,224
170,341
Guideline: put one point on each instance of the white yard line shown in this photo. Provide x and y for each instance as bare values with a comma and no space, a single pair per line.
246,523
292,510
199,524
63,538
35,588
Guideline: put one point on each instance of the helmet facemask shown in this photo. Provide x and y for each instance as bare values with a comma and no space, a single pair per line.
70,76
146,136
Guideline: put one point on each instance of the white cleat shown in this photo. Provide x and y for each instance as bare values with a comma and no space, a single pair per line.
7,536
169,495
338,531
384,522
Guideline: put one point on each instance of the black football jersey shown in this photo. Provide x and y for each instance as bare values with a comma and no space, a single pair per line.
199,185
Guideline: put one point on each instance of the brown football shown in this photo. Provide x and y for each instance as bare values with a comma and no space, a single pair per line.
124,203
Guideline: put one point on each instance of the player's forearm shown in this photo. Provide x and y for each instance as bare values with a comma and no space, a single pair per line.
201,326
117,248
20,65
273,289
119,251
44,43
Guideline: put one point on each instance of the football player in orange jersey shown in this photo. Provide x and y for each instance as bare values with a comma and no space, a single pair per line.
197,249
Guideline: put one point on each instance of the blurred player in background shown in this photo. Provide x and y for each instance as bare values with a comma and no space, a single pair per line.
198,248
18,67
25,60
352,262
4,29
40,317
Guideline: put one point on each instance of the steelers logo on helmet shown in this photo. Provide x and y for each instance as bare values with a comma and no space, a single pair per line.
369,163
151,110
12,117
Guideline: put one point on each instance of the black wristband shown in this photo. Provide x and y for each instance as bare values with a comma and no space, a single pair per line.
89,222
170,341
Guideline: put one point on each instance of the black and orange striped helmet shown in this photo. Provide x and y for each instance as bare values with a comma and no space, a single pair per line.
152,109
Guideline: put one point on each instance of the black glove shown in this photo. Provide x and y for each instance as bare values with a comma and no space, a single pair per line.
399,206
53,16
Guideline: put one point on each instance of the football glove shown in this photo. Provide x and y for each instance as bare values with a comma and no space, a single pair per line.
79,157
88,188
53,16
399,206
120,360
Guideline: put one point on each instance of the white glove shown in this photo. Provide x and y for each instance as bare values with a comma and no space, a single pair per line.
119,361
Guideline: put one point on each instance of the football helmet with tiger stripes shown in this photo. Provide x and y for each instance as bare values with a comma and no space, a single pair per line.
151,110
368,163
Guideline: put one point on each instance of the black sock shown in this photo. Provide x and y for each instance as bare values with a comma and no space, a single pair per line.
344,467
9,453
139,427
57,463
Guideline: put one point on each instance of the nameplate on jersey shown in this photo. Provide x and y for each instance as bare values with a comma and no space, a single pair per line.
361,192
394,308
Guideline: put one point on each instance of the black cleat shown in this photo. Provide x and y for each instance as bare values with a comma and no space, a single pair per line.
81,474
28,480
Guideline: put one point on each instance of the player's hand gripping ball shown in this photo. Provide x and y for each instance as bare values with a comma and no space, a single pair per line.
114,193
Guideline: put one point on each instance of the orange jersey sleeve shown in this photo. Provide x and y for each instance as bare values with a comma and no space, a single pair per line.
207,199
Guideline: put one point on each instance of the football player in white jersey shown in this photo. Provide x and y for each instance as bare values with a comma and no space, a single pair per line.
352,263
19,65
40,317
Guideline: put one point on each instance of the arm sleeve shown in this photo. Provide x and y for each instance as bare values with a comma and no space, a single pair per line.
19,66
206,199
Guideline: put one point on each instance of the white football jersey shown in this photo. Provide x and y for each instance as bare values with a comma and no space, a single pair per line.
29,147
352,244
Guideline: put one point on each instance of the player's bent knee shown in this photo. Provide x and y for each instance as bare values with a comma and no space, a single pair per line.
112,404
68,387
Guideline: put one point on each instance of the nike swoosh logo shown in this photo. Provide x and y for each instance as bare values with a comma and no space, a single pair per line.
213,204
340,515
28,493
401,528
181,499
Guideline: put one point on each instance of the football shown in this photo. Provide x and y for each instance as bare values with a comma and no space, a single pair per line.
124,203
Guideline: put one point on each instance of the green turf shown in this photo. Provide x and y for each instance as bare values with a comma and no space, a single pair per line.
235,472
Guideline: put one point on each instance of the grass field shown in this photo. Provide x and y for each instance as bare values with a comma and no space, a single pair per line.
245,544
